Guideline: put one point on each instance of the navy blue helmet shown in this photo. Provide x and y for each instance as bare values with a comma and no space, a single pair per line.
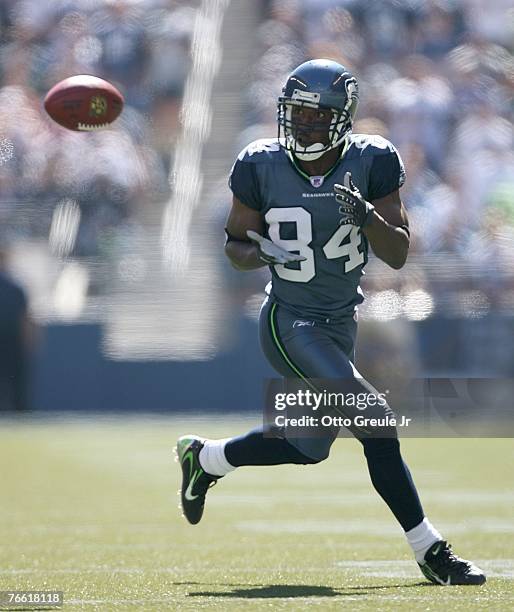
319,84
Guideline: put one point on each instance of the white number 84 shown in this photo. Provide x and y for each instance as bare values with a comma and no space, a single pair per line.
333,249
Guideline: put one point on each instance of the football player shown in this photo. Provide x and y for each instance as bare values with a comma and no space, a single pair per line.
308,204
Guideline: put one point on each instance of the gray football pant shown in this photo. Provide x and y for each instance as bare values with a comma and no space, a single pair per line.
300,348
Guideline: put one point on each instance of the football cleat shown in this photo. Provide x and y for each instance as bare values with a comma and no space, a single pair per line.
195,481
442,566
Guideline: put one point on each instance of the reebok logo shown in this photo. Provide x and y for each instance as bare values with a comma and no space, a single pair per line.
299,323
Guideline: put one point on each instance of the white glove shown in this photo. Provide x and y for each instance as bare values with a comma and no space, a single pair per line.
270,252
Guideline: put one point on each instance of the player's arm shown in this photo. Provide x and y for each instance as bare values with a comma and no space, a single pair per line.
246,247
388,230
242,252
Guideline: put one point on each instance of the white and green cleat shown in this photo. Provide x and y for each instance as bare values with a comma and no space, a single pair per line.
443,567
195,481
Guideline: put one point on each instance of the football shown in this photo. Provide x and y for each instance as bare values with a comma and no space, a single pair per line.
83,103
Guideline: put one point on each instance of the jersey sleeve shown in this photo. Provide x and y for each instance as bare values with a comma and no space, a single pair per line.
387,173
244,184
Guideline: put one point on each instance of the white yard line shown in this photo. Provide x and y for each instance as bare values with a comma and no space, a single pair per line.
400,568
385,529
494,568
348,498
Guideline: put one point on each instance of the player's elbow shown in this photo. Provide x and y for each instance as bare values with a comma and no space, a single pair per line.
398,260
397,263
236,266
394,258
398,256
233,257
230,255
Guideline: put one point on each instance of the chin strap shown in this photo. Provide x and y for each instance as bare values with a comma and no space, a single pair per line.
311,156
345,142
292,157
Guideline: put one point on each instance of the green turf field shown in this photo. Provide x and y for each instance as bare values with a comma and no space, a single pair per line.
90,508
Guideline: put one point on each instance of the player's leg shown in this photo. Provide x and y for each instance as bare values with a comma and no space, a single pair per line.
324,352
317,351
393,481
204,461
273,446
327,354
294,351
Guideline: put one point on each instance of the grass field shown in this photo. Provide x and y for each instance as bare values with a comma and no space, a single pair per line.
90,508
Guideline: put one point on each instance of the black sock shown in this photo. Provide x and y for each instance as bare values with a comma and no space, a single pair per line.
392,480
253,448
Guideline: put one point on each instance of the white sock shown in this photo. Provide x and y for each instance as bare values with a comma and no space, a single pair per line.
421,538
212,457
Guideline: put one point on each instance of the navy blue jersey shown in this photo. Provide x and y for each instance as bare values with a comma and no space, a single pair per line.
302,216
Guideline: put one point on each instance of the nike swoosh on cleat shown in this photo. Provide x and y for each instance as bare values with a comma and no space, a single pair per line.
189,491
431,575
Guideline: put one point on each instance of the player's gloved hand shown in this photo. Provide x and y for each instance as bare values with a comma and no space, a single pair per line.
270,252
354,209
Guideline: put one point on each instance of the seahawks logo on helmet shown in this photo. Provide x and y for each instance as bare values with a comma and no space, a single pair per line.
352,90
318,84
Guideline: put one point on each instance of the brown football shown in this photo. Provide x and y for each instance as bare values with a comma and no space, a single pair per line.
83,103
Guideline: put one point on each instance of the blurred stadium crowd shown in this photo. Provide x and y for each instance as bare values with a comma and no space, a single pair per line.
143,47
436,78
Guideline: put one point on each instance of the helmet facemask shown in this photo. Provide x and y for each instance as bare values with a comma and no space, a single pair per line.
338,129
289,130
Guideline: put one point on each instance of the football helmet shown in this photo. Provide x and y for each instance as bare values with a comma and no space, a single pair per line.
318,84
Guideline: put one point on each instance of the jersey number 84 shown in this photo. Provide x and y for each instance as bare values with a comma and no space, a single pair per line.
333,249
